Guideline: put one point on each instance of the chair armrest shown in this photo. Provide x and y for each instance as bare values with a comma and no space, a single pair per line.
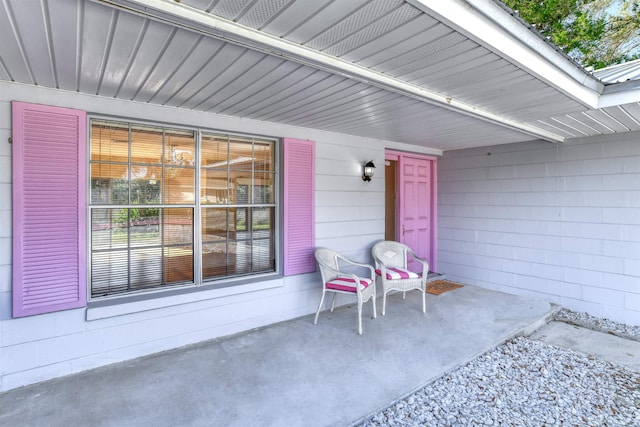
424,262
378,262
416,257
332,270
358,264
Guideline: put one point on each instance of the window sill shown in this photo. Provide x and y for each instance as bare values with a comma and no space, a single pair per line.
144,302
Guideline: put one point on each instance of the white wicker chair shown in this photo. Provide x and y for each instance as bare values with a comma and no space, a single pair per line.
391,260
336,280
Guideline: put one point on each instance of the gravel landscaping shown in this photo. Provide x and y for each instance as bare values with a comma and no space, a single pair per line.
601,325
527,383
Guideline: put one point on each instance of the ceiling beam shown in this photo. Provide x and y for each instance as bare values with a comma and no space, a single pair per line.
492,26
620,94
177,14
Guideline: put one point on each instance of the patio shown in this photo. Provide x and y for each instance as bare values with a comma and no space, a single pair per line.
290,373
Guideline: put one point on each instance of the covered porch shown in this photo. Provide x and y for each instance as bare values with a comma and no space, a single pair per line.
534,190
290,373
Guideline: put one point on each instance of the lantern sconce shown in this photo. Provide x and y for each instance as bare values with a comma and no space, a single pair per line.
368,171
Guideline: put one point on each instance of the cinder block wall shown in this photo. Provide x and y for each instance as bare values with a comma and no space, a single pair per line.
555,221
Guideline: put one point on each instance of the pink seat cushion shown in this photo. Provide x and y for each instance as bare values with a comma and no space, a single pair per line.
395,273
347,284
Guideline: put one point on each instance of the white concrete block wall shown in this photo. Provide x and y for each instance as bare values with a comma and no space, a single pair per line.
349,218
554,221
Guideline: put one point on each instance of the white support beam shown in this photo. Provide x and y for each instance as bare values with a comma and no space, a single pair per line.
178,14
620,94
490,25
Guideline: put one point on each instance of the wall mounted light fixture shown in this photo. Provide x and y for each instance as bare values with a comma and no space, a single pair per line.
368,171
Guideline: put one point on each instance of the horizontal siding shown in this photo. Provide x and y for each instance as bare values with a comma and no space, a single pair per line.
349,211
558,222
349,216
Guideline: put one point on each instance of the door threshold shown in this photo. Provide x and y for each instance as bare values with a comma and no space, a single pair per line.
433,276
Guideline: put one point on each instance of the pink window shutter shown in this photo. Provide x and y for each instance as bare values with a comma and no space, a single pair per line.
299,206
49,209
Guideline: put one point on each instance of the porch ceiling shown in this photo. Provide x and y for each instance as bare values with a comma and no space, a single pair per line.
386,69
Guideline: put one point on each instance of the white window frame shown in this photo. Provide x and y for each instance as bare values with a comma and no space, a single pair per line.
145,299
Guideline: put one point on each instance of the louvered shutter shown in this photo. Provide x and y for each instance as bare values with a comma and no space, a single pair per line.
49,209
299,206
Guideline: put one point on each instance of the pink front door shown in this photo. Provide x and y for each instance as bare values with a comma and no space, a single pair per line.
416,205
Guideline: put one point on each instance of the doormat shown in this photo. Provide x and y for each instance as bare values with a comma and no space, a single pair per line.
439,286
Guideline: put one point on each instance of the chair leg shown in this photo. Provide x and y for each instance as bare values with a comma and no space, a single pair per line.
360,317
373,301
384,302
333,301
319,307
424,302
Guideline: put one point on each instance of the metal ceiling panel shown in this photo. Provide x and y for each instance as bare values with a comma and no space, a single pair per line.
335,107
64,40
188,69
416,53
401,123
372,31
628,115
453,79
12,52
309,90
97,36
279,93
261,13
145,48
534,105
605,121
508,94
316,99
452,133
193,82
34,34
363,17
229,61
91,47
309,27
177,48
403,38
364,105
117,43
632,112
476,66
205,5
380,110
256,90
293,15
553,125
230,9
423,76
251,79
584,124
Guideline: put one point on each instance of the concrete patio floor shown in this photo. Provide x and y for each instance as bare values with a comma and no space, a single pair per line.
288,374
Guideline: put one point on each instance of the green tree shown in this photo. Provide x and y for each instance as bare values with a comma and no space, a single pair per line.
621,38
593,32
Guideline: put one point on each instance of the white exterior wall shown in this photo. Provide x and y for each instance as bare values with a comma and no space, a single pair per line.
349,218
558,222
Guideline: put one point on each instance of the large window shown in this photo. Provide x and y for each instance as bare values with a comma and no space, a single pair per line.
148,228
